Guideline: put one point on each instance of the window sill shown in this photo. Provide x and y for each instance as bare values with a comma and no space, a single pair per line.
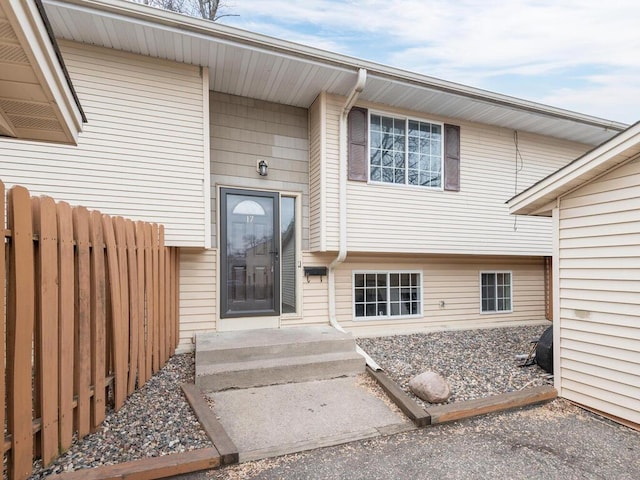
389,317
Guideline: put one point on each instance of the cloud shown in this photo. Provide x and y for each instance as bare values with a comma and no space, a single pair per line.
477,42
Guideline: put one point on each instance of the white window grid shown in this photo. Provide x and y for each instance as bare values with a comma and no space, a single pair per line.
405,151
383,294
498,296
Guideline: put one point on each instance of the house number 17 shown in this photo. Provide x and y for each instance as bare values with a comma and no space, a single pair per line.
249,218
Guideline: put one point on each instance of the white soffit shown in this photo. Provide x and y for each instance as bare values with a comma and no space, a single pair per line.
36,100
539,199
257,66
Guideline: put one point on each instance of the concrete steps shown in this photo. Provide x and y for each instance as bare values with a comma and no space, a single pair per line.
254,358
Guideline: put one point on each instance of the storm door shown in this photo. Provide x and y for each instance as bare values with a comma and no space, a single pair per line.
249,254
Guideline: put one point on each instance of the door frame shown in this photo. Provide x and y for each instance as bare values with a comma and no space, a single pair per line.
255,316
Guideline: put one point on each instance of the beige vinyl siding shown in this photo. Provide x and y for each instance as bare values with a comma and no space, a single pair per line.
599,283
198,294
142,152
317,206
244,130
410,219
332,171
454,280
315,295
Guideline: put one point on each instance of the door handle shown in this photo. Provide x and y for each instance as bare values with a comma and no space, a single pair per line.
276,253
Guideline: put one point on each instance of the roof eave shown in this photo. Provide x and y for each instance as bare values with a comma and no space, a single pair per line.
56,91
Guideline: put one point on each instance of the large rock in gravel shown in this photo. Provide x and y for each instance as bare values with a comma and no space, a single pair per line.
430,387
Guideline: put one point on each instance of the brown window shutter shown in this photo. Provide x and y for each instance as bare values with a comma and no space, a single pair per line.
452,158
358,157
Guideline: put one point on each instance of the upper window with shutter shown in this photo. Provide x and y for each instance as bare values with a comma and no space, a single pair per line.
403,151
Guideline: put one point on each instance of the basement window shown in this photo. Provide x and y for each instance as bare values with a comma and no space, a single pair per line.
496,292
386,294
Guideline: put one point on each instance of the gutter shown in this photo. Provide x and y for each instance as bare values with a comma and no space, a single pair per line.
342,199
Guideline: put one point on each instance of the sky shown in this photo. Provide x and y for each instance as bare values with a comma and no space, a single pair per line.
580,55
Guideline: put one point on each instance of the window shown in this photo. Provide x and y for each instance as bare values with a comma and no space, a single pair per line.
387,294
405,151
495,292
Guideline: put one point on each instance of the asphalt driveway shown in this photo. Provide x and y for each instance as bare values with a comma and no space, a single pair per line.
552,441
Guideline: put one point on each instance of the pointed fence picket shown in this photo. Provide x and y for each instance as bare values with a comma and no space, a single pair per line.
88,313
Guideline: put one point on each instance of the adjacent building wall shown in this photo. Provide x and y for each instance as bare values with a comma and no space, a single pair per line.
141,154
599,285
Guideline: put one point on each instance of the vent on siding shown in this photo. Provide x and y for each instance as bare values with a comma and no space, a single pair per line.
35,123
13,54
6,31
12,107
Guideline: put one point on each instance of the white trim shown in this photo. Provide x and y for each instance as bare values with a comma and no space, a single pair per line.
495,272
557,322
299,286
406,119
420,274
323,171
207,157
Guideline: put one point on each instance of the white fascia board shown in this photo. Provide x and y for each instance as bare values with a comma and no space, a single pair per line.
34,38
585,168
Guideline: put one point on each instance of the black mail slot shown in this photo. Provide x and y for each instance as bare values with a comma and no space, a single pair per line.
316,271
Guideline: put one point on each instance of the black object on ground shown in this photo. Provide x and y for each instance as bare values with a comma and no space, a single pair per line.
544,350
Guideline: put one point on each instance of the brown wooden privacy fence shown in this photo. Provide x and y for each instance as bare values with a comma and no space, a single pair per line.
89,313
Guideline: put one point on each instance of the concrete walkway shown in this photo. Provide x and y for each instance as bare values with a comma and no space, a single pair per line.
279,419
552,441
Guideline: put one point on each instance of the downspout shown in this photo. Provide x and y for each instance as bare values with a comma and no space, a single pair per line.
342,201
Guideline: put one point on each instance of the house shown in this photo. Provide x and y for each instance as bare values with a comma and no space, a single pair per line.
594,203
264,158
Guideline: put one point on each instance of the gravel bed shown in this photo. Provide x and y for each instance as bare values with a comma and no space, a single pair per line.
476,363
156,420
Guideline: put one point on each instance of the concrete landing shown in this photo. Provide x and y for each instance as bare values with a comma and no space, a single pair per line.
279,419
245,359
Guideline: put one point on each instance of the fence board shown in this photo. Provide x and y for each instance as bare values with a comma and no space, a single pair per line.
20,324
82,378
156,297
2,317
161,296
66,315
117,352
98,320
167,302
148,275
176,296
134,330
121,246
44,210
142,365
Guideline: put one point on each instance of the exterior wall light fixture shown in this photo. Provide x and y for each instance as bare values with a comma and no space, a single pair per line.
262,168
